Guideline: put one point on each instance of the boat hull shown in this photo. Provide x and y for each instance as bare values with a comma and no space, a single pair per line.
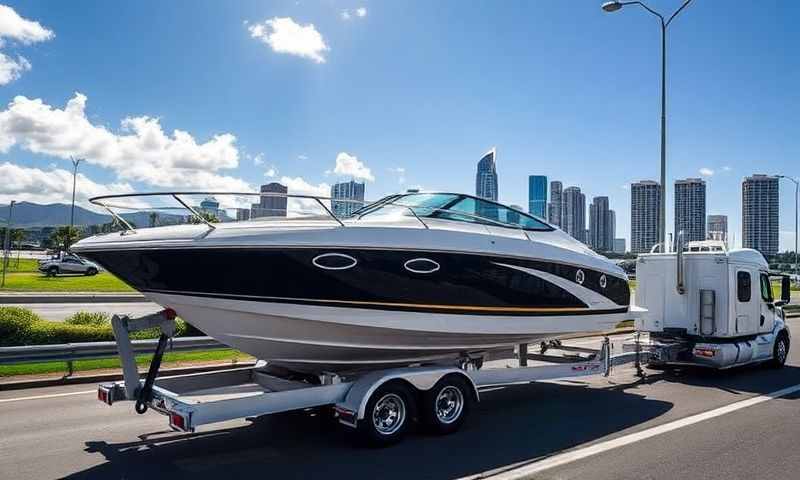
315,339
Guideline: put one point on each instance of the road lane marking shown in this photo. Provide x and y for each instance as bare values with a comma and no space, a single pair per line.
581,453
52,395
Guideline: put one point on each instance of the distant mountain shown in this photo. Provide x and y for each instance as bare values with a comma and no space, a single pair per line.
27,214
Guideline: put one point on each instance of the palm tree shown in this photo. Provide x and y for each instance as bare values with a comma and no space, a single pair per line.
64,236
209,217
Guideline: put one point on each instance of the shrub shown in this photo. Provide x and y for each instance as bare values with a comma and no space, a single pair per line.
14,320
96,319
19,326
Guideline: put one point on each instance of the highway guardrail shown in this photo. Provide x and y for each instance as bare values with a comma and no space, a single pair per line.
69,352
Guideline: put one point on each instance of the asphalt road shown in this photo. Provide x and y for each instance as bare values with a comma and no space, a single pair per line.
74,436
60,311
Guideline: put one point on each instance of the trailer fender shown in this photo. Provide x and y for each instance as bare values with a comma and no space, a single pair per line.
421,378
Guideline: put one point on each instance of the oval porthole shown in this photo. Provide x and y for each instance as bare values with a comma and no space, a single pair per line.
421,265
603,281
579,277
334,261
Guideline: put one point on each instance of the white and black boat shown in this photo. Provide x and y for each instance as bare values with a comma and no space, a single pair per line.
412,278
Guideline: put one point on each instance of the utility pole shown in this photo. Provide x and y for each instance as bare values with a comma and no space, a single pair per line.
75,163
6,244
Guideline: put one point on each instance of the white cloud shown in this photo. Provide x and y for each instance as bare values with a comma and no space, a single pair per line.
283,35
726,168
706,172
258,159
140,151
271,172
349,165
19,29
401,174
52,186
345,15
11,69
25,31
361,12
299,206
302,157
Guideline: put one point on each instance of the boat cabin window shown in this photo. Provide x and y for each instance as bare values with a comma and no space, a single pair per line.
465,208
743,286
766,289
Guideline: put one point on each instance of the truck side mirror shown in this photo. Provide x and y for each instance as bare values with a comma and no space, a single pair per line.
786,287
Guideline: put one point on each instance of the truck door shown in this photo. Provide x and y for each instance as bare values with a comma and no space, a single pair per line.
746,312
767,317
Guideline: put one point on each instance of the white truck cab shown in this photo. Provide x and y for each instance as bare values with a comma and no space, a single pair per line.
710,306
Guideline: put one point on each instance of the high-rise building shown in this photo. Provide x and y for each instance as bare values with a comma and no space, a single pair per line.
573,205
486,178
601,225
242,214
717,228
270,206
512,216
619,245
760,214
612,227
210,206
350,196
690,209
537,196
645,207
554,207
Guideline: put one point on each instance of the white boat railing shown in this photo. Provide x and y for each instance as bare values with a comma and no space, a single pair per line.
104,202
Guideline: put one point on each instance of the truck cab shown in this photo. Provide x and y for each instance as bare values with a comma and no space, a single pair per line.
710,306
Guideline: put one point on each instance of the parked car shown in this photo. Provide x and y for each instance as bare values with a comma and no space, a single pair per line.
69,263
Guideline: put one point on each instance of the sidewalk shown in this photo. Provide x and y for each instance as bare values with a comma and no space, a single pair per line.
71,297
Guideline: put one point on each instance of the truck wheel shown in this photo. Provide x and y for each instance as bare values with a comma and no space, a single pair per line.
446,405
91,272
387,416
780,352
52,271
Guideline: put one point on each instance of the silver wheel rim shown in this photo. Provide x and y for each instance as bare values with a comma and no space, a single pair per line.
781,351
449,404
389,414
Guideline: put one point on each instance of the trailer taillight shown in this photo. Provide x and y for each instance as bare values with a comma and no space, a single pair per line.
177,421
704,352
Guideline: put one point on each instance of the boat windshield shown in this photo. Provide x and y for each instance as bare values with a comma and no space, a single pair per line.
458,207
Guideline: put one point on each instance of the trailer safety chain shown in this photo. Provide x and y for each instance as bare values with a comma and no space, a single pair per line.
146,393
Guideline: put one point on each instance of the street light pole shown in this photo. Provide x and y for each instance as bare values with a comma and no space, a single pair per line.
613,7
75,163
796,206
5,243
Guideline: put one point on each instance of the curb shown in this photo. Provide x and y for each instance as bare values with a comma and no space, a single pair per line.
112,377
17,298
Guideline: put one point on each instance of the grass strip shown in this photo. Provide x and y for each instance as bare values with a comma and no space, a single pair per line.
38,282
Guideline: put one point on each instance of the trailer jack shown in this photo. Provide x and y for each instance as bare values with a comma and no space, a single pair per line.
146,392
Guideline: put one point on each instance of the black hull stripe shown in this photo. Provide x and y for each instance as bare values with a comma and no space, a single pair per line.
406,307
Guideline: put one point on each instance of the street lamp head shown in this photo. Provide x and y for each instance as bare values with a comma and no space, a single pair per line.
611,6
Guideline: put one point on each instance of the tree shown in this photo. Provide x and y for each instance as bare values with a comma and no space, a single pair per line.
63,236
209,217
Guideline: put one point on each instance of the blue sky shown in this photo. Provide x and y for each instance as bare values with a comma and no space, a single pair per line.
561,88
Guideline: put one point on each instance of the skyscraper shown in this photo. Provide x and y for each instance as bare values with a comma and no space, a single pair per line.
645,205
717,228
601,225
690,209
268,206
573,204
619,245
554,208
486,178
351,191
537,196
760,214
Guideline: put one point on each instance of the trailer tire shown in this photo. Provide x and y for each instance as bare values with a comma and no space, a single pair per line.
446,405
780,352
388,415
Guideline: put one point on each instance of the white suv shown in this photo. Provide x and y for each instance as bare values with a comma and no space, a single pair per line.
70,263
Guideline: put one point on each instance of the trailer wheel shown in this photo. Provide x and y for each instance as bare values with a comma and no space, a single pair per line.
780,352
387,416
446,405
